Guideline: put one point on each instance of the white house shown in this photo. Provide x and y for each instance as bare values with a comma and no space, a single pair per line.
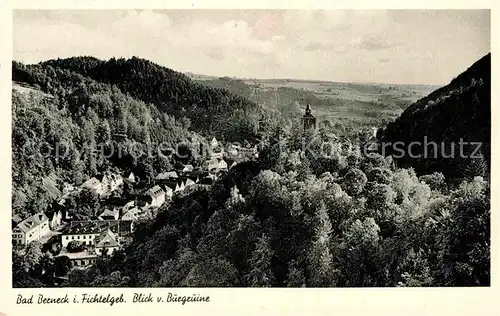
31,229
94,185
218,155
222,165
168,192
167,175
55,222
131,214
106,243
157,196
84,233
109,214
131,177
189,182
214,143
188,168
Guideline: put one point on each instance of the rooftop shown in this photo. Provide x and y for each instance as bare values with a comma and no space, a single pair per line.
32,221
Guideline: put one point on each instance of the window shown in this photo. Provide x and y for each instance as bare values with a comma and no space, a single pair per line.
78,237
84,237
67,237
72,237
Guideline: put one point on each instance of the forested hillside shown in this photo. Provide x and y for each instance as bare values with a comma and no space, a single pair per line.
76,129
362,222
458,111
215,111
312,210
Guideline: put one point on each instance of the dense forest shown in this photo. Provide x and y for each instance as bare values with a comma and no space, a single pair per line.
314,216
277,222
458,111
213,110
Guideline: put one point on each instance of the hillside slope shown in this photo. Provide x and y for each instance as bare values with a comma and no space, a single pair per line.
457,112
63,121
211,110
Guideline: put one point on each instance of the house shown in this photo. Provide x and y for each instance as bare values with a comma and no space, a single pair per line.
189,182
157,196
131,214
167,175
214,143
16,219
212,164
219,155
83,232
131,177
109,214
181,186
222,165
188,168
31,229
56,220
87,232
80,259
111,182
106,243
169,192
94,185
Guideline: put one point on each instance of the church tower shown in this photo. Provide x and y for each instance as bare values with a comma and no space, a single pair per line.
308,119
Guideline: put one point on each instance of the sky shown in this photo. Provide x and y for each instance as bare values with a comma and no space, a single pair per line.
392,46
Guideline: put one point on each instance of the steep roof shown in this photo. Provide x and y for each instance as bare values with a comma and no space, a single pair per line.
107,239
155,191
110,212
91,183
32,221
97,226
188,167
167,175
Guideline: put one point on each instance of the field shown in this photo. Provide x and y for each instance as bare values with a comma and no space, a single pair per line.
355,104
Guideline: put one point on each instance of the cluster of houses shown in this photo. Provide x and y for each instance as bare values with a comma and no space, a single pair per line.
113,227
98,238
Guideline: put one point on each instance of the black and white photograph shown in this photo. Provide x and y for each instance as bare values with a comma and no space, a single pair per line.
277,148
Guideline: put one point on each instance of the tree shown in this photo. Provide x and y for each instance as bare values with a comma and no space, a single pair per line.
464,259
89,202
261,274
296,276
436,181
32,255
62,265
74,246
357,254
321,272
354,182
212,273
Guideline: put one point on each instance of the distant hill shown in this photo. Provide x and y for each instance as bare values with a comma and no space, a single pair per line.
211,110
458,111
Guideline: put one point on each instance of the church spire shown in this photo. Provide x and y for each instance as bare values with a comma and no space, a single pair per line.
309,120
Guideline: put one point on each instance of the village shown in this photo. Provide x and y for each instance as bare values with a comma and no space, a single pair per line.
84,238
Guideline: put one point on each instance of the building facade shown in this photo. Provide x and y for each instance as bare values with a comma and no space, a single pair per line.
31,229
